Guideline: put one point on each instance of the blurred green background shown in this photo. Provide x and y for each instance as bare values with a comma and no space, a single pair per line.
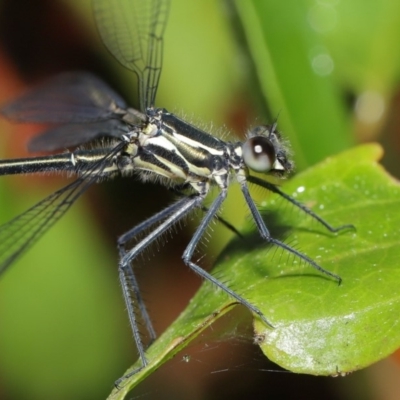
327,69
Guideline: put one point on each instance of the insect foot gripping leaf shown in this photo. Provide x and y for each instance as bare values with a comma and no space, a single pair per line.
320,327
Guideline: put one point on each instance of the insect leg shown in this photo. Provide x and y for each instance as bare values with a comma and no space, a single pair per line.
188,253
275,189
264,232
130,276
179,210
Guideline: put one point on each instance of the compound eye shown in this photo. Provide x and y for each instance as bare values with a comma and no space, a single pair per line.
259,154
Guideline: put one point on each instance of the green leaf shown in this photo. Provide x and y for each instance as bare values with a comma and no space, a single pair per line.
285,49
320,327
362,40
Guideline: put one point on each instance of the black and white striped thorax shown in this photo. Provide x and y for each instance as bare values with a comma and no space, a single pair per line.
169,148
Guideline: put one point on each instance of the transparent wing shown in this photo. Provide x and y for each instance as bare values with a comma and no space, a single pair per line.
70,97
133,32
72,135
22,232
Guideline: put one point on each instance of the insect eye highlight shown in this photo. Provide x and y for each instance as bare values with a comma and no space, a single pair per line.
259,154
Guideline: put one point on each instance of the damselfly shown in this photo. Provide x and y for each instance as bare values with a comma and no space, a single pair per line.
153,144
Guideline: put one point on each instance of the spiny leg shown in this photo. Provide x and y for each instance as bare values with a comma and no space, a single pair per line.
188,253
265,234
182,208
275,189
130,277
179,190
